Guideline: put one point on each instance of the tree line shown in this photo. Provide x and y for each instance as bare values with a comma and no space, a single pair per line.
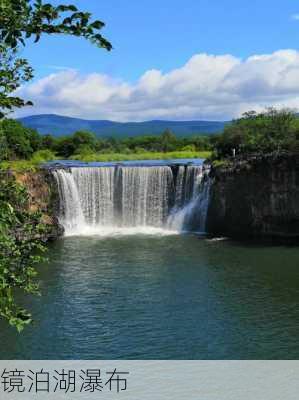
273,130
19,142
270,131
266,132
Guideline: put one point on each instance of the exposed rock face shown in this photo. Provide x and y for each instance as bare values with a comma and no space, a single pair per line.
43,197
256,198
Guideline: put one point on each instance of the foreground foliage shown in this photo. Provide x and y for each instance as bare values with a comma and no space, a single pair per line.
20,248
21,20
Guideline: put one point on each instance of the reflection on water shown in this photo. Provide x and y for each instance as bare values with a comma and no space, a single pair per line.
161,297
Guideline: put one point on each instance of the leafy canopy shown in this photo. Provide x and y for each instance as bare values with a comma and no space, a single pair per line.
21,20
21,230
270,131
20,249
13,72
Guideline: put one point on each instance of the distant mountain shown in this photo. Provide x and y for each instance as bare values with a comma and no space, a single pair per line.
59,126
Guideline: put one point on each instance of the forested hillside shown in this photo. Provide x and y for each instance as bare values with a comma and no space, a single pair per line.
58,125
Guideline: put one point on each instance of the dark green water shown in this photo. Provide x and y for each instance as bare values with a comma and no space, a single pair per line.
162,297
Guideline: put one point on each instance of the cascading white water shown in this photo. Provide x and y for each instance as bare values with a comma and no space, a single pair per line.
95,188
145,195
71,214
192,200
101,199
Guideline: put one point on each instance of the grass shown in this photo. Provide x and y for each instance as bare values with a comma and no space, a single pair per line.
221,163
19,165
141,156
38,158
33,164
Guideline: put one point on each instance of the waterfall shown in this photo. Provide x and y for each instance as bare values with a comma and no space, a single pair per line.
145,195
139,198
192,201
71,215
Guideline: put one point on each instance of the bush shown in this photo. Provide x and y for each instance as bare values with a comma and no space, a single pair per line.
272,130
221,164
189,147
84,138
42,156
17,140
19,248
84,149
18,166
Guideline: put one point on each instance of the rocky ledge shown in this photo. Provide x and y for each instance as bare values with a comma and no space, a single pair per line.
43,197
256,197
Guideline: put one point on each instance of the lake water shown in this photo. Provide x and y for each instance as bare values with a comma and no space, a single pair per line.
161,297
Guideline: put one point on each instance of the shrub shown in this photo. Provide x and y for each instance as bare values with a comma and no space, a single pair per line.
20,249
272,130
189,147
41,156
221,164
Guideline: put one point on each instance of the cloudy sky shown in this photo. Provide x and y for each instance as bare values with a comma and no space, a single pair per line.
172,59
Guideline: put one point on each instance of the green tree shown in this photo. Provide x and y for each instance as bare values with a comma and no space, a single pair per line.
281,124
48,142
84,150
22,19
65,146
168,141
20,230
85,138
4,149
20,248
271,130
34,138
17,138
13,72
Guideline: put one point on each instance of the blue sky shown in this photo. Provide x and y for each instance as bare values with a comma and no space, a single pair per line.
164,35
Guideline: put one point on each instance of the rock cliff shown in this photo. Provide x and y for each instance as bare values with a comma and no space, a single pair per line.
43,197
257,197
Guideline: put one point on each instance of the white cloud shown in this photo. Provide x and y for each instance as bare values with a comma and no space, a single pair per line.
206,87
295,17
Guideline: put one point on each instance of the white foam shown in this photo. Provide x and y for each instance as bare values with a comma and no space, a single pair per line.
110,231
217,239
